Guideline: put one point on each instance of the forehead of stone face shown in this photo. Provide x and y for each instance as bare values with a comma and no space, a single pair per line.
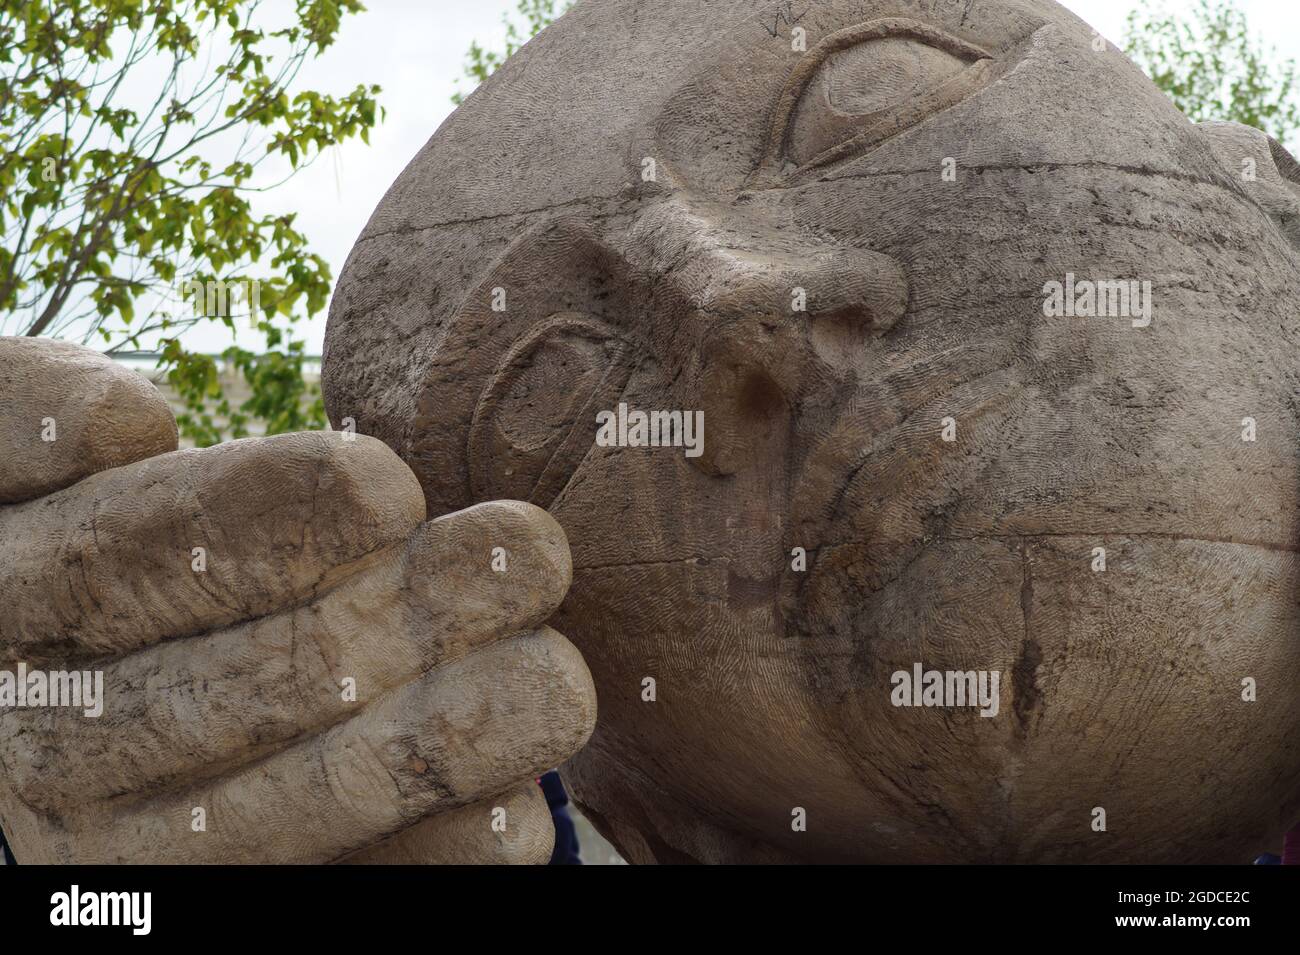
571,116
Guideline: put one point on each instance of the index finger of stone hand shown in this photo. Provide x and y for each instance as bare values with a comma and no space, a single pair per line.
194,540
69,412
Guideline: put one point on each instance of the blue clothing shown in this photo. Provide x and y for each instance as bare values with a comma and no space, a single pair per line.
566,836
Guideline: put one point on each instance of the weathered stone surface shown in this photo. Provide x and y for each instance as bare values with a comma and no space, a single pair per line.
92,417
822,169
280,641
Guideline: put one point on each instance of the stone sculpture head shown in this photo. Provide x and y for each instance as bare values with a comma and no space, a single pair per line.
633,210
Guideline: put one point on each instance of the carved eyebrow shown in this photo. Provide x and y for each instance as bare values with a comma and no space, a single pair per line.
887,28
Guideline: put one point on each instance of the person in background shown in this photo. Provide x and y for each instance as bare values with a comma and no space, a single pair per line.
1291,847
1290,851
566,835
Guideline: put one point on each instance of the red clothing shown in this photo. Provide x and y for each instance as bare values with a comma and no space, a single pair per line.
1291,847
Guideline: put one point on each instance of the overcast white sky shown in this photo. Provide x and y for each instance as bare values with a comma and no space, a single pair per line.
414,50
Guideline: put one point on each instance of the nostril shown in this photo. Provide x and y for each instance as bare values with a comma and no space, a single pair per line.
760,400
744,410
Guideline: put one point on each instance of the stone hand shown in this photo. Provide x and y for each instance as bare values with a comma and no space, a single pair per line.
273,657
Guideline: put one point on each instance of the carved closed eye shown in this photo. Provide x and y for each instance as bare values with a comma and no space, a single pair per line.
863,85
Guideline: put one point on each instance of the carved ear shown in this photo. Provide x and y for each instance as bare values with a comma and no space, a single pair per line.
1267,172
1287,212
509,403
1287,165
535,419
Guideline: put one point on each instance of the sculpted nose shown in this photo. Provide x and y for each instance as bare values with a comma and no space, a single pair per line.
835,299
772,308
735,267
856,289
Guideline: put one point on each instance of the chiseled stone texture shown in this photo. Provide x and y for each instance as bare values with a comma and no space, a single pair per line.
822,169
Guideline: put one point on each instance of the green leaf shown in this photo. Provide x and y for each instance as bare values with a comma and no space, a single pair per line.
115,223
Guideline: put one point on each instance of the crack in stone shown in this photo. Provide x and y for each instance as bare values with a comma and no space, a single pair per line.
1026,695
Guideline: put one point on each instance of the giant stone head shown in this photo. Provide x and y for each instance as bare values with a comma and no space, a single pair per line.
998,359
